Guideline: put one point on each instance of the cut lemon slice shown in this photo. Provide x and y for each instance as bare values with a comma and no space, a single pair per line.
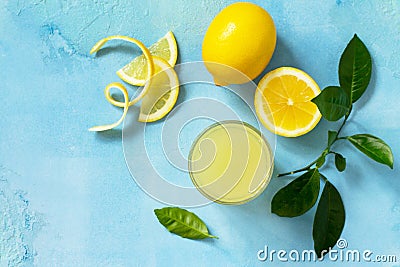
163,92
135,72
283,102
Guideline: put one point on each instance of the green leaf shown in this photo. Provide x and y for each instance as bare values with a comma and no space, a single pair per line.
329,220
373,147
183,223
331,137
355,69
332,102
298,196
340,162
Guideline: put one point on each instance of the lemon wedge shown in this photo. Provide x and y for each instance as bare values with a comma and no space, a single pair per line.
136,73
283,102
163,93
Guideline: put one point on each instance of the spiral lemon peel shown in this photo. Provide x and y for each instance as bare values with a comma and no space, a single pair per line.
106,127
126,104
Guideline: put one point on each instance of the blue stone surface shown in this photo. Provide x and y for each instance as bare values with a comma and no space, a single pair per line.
66,195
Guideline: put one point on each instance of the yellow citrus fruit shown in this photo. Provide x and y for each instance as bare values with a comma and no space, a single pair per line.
283,102
243,37
163,93
135,72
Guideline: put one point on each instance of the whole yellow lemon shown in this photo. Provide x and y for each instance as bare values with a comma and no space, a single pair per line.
241,37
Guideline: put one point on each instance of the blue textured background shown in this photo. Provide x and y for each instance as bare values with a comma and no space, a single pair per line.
66,196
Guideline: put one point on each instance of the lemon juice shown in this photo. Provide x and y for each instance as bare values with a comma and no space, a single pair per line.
230,162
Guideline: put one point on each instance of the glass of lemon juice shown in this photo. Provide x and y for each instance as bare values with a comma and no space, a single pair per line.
230,162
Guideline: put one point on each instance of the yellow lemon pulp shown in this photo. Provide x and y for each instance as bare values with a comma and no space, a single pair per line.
283,102
135,72
243,37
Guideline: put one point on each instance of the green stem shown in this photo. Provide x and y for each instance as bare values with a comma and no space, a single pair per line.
343,123
306,168
323,177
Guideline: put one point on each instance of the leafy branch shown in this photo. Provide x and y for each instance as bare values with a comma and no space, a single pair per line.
334,103
333,136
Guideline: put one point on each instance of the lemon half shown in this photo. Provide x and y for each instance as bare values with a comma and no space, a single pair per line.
283,102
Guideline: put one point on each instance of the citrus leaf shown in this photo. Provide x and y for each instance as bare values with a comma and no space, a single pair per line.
298,196
373,147
332,102
340,162
329,220
183,223
331,137
355,69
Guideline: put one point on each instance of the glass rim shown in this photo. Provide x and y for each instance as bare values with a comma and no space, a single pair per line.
264,183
